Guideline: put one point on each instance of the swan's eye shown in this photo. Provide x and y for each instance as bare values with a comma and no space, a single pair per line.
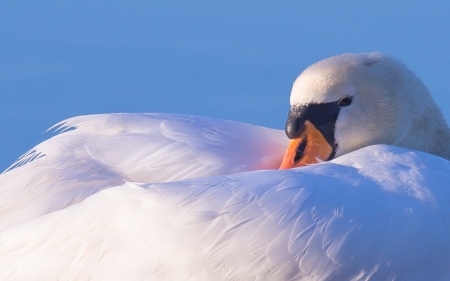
345,101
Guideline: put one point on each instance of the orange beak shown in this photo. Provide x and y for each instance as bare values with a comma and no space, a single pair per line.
309,148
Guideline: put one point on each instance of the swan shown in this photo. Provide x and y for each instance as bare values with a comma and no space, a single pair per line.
175,197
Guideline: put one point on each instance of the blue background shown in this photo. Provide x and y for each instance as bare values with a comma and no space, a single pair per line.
225,59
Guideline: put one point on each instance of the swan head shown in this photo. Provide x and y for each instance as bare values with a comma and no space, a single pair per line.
350,101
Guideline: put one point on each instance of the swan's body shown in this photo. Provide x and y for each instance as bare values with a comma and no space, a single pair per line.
380,213
86,205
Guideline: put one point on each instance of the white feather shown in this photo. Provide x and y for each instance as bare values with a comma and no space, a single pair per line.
338,220
109,150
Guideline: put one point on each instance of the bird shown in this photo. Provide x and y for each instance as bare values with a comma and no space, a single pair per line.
360,194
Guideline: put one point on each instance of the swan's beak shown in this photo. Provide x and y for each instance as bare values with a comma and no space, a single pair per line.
309,148
311,130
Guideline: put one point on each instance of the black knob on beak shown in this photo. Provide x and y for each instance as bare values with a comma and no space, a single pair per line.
322,115
295,123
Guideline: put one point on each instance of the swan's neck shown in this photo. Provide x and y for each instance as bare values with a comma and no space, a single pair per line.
429,133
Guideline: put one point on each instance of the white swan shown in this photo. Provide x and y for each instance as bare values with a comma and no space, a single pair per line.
378,213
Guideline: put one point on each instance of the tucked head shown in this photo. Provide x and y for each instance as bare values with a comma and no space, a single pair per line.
350,101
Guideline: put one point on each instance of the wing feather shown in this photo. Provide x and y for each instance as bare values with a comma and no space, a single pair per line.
95,152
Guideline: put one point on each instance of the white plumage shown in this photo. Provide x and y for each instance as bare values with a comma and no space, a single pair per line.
109,150
174,197
380,213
